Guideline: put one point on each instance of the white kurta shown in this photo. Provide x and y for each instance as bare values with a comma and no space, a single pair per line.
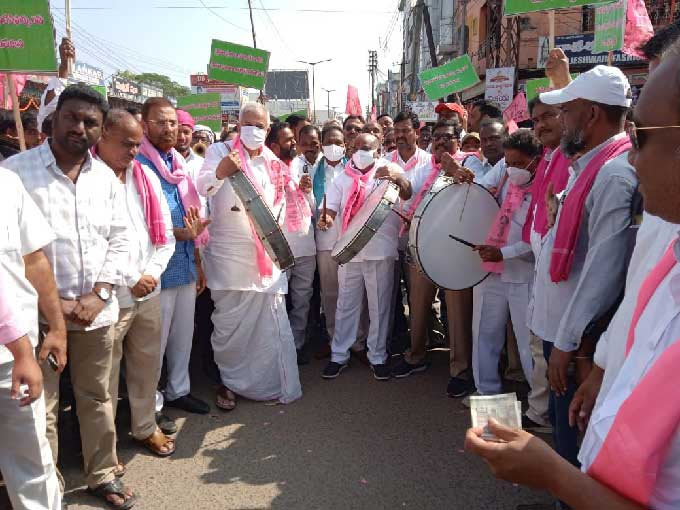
252,340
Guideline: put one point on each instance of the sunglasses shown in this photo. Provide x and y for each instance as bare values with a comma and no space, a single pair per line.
637,139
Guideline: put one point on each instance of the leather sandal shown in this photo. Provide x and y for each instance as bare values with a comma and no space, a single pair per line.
120,470
225,398
114,488
157,441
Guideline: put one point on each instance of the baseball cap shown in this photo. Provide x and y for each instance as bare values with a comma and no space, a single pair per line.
602,84
453,107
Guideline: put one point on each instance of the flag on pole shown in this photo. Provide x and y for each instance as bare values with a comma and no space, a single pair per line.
19,83
353,104
639,28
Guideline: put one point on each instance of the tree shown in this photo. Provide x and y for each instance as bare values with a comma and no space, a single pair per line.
170,88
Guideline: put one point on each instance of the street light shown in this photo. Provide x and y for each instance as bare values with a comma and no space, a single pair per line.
328,104
313,64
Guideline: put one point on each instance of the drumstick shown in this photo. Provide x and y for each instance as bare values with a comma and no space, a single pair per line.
462,241
323,209
464,202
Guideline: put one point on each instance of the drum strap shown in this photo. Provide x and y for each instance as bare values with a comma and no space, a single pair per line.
357,194
425,188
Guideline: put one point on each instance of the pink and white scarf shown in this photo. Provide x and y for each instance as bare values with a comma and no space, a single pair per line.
357,194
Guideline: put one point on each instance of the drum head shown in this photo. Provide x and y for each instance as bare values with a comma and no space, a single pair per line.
466,211
366,222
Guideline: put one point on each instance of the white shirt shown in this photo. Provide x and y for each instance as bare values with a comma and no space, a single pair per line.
89,219
193,168
478,166
383,245
229,260
561,312
23,230
143,257
518,261
302,243
325,239
657,329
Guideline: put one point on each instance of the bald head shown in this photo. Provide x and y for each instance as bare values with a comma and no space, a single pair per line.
121,137
366,142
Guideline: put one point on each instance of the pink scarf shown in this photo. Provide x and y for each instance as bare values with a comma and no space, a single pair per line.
152,207
556,171
357,194
178,176
432,176
498,235
638,440
573,207
410,164
297,206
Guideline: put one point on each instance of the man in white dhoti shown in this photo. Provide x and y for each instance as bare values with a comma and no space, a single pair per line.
252,340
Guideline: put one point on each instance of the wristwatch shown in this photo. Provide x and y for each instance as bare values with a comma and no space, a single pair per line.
103,293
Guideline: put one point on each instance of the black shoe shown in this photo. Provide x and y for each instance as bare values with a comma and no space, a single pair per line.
333,370
458,387
302,358
404,368
166,424
381,372
530,425
190,404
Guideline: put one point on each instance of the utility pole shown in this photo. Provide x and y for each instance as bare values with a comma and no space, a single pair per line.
328,105
313,64
415,54
430,38
372,68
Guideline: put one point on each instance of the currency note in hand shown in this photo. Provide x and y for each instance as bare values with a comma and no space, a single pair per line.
504,408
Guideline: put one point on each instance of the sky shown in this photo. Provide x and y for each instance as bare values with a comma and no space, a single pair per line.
173,37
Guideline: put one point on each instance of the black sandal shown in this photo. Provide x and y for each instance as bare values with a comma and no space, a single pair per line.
114,487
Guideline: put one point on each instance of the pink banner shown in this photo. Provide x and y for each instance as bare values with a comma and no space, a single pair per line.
353,104
19,83
638,28
518,111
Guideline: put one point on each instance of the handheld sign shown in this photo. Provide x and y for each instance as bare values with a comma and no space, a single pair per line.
27,37
454,76
237,64
540,85
513,7
206,109
610,22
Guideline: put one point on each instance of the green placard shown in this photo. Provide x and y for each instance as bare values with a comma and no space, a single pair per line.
101,89
204,108
454,76
26,37
238,65
539,85
513,7
610,23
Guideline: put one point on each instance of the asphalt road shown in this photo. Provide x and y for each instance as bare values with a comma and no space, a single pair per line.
351,443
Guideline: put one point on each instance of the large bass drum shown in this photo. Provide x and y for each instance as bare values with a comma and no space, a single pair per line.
366,222
465,211
266,226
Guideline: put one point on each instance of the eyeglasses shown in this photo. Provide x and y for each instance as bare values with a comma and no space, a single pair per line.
638,139
447,137
164,123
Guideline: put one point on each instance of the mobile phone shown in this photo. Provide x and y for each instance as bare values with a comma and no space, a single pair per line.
51,358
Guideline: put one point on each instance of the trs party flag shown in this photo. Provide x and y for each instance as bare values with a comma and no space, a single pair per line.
639,28
518,111
353,104
19,82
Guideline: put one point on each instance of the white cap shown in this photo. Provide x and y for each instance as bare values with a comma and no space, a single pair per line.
602,84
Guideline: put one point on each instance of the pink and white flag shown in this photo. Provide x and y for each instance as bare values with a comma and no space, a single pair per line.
353,104
639,28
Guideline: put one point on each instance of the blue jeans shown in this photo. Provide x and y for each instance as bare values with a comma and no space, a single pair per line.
565,437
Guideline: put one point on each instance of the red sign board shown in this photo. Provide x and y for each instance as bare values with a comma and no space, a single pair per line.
202,80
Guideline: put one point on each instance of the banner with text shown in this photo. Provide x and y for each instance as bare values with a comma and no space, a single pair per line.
518,111
513,7
204,108
237,64
423,109
500,86
27,37
454,76
610,21
535,87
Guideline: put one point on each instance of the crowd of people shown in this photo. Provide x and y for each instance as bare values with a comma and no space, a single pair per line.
123,244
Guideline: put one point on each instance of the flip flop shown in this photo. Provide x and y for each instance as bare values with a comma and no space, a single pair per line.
225,399
114,487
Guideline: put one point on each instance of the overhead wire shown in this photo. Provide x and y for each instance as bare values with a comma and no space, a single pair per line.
219,16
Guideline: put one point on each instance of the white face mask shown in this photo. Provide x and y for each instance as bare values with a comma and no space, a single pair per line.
363,159
253,137
518,176
333,152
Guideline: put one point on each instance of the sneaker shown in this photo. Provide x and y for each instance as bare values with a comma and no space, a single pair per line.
404,368
381,372
333,370
530,425
458,387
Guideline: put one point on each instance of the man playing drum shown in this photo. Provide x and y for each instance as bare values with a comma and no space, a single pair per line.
373,267
252,340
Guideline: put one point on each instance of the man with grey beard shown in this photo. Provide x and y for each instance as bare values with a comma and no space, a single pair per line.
580,270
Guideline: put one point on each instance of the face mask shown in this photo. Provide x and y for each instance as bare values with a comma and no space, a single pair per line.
518,176
253,137
363,159
333,152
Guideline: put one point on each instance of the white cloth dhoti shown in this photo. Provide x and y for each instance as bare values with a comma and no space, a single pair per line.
254,346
